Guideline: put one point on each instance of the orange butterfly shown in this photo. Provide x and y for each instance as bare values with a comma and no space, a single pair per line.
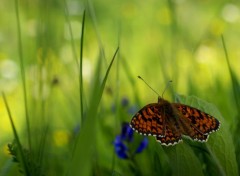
169,121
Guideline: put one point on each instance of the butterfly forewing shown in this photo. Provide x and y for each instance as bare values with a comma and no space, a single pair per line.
200,121
149,120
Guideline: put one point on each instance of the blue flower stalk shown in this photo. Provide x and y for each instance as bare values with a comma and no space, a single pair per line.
122,143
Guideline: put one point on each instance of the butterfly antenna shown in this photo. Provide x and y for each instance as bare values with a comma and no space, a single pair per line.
170,81
148,85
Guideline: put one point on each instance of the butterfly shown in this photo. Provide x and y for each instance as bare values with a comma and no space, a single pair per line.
168,122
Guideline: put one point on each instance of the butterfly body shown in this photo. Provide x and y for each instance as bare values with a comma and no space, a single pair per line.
168,122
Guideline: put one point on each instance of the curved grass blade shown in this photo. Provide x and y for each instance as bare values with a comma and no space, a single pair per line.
82,156
23,74
22,157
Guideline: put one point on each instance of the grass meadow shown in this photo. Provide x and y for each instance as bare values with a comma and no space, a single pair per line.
68,81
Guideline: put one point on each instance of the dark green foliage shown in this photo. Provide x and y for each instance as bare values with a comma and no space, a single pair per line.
33,167
236,96
217,155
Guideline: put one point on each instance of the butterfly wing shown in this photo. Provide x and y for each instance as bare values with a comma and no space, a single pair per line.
172,135
201,123
149,120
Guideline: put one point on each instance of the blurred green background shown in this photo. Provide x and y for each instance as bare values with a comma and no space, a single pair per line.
67,125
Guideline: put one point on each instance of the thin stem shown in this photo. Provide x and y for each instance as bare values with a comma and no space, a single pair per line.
80,66
23,74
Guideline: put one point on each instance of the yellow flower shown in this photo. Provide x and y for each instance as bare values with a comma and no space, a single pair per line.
61,138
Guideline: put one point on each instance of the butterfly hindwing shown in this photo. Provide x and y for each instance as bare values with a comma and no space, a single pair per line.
171,136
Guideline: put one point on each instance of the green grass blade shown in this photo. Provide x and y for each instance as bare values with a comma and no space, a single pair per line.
235,84
131,78
75,55
94,21
81,161
23,74
81,67
22,157
236,94
70,32
107,73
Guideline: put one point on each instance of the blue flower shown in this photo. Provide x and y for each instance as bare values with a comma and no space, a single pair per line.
132,110
125,106
142,145
127,132
122,143
124,102
120,148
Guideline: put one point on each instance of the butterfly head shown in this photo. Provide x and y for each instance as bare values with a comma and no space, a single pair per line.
162,100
